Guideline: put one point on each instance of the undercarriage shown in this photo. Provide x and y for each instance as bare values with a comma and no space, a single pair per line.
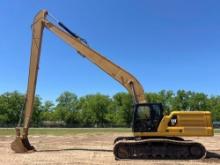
157,148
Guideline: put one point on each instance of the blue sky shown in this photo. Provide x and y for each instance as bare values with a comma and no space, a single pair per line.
166,44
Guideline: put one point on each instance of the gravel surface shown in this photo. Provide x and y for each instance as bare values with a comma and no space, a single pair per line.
92,149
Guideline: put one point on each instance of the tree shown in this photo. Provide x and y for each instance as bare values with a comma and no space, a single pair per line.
123,106
182,100
214,107
98,109
164,97
66,108
48,111
198,102
11,104
152,97
94,109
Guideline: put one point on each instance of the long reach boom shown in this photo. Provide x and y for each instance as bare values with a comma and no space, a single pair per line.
21,144
155,135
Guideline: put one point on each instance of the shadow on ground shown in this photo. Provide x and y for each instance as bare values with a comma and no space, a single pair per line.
213,154
76,149
210,154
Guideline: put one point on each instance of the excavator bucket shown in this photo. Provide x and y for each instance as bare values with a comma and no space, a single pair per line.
21,145
18,146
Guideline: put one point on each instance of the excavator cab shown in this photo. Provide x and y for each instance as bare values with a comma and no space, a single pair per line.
147,117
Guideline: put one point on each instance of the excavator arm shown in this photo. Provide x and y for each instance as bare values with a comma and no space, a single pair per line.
113,70
21,144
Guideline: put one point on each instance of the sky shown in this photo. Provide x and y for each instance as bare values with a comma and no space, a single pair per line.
167,45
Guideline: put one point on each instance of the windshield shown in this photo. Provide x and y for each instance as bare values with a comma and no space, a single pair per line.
143,112
147,117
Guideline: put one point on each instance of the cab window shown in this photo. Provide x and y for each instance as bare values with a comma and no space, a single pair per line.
143,112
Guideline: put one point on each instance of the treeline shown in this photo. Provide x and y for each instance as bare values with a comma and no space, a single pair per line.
98,110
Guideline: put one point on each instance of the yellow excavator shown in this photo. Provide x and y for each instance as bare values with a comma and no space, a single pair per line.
155,135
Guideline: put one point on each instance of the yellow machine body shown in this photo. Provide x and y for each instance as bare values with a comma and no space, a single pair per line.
182,123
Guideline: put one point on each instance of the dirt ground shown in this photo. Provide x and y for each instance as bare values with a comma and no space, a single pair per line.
93,149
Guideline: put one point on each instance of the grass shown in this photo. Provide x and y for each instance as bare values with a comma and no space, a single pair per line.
217,130
70,131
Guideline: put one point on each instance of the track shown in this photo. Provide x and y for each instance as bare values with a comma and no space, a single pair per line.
158,148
